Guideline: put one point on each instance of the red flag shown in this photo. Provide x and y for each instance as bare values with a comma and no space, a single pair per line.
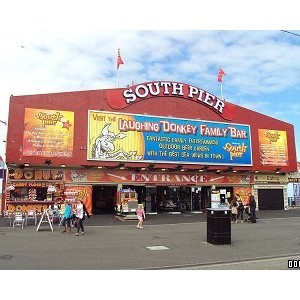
119,59
220,75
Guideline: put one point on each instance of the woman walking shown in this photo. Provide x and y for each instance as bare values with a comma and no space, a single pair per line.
66,221
80,211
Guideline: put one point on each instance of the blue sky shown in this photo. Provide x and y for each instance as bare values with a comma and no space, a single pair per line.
69,47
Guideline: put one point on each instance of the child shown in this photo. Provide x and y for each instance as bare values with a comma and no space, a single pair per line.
141,215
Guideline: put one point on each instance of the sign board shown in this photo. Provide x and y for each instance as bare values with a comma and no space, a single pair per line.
270,186
45,218
215,199
271,178
153,139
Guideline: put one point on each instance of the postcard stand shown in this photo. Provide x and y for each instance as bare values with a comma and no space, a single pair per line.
45,218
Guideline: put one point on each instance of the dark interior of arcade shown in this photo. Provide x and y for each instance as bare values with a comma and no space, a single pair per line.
157,199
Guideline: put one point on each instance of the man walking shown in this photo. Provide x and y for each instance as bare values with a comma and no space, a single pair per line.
252,206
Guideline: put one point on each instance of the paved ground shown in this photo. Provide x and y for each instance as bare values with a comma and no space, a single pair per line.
180,241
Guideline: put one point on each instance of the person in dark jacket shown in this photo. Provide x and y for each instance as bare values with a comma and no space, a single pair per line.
252,206
240,209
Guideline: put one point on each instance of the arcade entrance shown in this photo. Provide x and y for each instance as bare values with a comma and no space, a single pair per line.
103,199
156,199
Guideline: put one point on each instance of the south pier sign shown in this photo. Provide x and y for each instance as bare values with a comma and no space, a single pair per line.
121,98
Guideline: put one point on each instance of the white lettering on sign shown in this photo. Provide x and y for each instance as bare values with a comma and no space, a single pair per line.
167,178
166,88
165,126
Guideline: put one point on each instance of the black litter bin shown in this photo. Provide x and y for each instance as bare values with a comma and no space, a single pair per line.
219,226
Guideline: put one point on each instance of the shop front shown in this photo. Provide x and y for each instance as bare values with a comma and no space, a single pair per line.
33,189
159,191
271,191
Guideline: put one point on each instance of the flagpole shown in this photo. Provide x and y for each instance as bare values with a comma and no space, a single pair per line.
221,85
118,77
220,79
119,62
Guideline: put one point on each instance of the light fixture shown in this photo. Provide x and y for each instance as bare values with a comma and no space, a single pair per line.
48,162
182,170
121,166
231,169
218,171
205,168
26,165
163,169
99,167
63,165
143,169
256,171
277,171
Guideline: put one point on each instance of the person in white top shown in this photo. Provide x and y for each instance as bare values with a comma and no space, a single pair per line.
80,211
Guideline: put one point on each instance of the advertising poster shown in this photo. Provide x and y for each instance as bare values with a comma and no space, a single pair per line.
128,137
215,199
243,192
84,193
273,147
48,133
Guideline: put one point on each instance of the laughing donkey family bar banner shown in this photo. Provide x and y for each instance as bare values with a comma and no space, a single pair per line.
144,138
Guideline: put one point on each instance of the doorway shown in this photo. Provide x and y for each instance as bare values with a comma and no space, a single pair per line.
272,199
151,200
103,199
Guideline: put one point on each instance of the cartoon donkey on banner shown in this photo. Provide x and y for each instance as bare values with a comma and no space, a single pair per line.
104,147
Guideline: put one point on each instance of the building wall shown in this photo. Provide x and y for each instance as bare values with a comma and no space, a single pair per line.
81,101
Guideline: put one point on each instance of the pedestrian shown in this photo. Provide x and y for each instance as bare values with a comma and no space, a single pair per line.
141,216
233,206
66,221
240,209
252,206
80,212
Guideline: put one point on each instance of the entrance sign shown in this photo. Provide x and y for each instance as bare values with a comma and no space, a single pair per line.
153,139
81,177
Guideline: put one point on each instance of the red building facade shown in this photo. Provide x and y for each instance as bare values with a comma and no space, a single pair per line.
176,145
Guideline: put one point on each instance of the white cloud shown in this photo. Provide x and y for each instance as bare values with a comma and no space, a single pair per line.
69,49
